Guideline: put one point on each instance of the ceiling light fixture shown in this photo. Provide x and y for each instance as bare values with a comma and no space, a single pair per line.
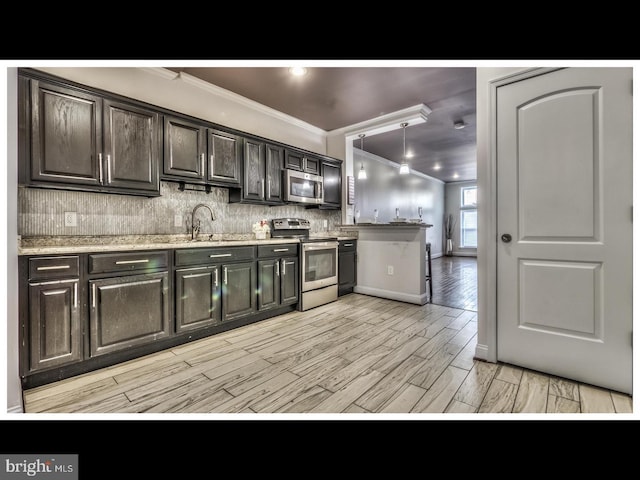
459,125
404,166
298,71
362,174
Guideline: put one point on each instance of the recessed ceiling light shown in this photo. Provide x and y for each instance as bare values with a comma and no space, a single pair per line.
459,125
455,175
436,166
298,71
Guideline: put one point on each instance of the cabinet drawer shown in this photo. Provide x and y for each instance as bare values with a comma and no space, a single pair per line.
347,245
284,250
127,262
202,256
53,267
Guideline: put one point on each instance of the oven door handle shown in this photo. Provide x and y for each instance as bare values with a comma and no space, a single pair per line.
319,246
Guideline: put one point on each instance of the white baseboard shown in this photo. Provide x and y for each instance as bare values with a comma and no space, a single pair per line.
15,409
391,295
482,352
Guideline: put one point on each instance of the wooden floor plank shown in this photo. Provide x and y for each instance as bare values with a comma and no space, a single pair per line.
440,394
343,398
500,398
595,400
532,394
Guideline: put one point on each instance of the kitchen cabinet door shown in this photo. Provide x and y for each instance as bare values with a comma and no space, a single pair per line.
296,160
289,280
65,134
184,149
239,281
128,311
197,298
273,173
347,266
55,332
225,153
131,147
268,284
332,184
254,168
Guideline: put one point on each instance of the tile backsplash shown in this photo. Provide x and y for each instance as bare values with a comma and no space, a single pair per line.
41,212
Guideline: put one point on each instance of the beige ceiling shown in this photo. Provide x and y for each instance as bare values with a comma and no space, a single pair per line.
335,97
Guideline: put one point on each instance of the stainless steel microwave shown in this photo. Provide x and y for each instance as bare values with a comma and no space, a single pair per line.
302,187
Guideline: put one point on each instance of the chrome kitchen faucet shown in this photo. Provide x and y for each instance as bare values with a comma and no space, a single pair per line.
195,228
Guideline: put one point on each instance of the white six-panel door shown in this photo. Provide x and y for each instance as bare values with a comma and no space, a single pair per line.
564,218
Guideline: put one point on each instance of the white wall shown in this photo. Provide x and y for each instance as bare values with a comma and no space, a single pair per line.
452,206
385,189
14,389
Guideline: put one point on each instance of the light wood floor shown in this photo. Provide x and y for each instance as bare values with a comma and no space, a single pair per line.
360,354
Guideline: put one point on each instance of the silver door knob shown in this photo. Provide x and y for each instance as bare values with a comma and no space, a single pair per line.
506,238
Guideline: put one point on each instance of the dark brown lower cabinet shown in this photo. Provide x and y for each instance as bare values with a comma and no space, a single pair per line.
128,311
278,276
238,290
197,298
347,266
55,335
87,311
277,282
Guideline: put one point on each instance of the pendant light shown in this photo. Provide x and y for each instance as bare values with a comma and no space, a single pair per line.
404,166
362,174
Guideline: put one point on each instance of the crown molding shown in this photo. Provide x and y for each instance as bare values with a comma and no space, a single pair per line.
234,97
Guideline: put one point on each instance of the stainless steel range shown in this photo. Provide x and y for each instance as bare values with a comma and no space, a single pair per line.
319,262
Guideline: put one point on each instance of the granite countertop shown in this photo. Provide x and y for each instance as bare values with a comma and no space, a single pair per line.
50,245
387,225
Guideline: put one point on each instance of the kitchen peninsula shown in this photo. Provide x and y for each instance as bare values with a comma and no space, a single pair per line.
392,260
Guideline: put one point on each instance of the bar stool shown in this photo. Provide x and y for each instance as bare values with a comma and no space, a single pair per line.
428,276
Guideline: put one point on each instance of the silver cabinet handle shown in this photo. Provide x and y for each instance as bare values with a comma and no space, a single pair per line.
108,168
269,187
216,279
202,162
219,255
280,249
277,268
93,295
262,182
348,245
210,165
284,268
225,275
100,166
54,267
127,262
75,295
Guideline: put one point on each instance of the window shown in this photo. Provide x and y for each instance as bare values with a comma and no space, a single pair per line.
468,217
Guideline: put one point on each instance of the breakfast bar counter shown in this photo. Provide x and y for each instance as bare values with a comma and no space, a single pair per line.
392,260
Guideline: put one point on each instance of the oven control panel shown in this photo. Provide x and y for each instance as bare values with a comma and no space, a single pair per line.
291,224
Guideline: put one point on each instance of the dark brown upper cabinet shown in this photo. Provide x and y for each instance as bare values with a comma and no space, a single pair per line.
72,138
332,184
195,153
303,162
262,174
